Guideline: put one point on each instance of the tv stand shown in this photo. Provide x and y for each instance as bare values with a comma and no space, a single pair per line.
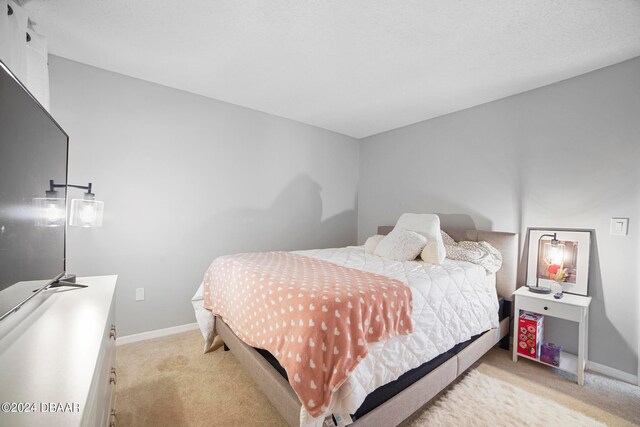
68,277
61,283
61,357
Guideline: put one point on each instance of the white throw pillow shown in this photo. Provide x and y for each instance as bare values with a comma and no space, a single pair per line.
429,226
372,243
401,245
431,253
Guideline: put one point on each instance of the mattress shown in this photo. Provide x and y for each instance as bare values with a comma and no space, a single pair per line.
387,391
452,303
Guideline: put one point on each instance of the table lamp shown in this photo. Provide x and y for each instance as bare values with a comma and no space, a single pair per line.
554,252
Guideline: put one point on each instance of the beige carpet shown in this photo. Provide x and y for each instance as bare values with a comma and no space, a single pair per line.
169,382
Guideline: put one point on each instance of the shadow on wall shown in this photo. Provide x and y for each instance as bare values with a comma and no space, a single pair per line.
472,220
425,204
459,221
292,222
521,277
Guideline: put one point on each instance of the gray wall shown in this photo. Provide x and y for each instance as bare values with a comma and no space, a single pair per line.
186,178
565,155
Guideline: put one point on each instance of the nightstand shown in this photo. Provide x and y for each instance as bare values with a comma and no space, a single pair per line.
570,307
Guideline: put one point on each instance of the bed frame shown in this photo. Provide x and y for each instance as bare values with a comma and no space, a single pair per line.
395,410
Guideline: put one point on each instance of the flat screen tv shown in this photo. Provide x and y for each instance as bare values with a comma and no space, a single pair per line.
33,151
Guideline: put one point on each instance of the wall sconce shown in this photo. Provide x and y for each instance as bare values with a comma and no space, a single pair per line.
50,210
85,212
553,253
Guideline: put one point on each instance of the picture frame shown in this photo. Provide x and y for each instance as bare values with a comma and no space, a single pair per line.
566,263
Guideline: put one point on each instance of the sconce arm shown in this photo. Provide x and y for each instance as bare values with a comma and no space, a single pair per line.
53,186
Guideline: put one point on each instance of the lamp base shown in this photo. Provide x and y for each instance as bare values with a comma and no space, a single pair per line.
539,290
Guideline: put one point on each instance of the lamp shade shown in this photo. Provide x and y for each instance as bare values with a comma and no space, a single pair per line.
49,211
86,213
554,253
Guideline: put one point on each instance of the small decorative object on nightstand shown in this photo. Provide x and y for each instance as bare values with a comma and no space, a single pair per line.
571,307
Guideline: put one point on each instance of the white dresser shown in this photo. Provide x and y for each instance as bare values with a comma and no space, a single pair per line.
57,364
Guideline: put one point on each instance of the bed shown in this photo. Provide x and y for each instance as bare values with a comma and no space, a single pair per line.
386,395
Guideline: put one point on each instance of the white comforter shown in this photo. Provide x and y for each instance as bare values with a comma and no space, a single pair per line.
451,303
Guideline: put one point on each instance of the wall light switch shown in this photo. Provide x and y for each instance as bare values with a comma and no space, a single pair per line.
139,294
619,226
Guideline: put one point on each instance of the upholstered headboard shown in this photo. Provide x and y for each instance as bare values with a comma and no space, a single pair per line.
506,243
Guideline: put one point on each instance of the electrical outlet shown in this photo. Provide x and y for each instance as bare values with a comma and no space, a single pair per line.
139,294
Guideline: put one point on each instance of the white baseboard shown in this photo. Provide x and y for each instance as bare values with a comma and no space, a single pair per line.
612,372
128,339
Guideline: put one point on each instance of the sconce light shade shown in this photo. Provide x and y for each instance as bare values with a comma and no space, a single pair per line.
86,213
49,211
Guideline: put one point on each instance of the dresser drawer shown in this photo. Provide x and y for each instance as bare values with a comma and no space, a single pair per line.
100,400
112,405
551,308
108,370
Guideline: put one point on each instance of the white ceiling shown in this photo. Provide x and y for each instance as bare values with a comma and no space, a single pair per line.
358,67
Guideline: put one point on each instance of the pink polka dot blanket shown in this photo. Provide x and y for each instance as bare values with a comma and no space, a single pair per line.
317,318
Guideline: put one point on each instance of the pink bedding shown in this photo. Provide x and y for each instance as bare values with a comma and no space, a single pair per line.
314,316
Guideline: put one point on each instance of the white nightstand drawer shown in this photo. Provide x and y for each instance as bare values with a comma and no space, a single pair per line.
551,308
